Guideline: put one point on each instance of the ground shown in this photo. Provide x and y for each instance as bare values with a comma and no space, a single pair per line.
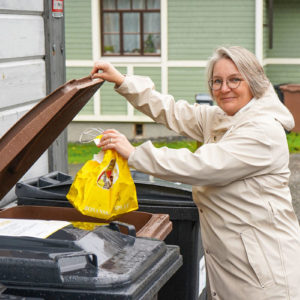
295,182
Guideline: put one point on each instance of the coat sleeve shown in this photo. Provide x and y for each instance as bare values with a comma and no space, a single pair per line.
238,156
180,116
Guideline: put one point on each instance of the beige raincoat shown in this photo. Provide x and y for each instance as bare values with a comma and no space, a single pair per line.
240,176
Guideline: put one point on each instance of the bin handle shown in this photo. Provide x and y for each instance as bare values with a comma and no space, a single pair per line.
67,268
114,225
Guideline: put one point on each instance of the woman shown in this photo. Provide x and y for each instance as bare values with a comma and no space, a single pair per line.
249,230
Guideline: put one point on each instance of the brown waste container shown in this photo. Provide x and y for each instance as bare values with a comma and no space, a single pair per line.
291,95
146,224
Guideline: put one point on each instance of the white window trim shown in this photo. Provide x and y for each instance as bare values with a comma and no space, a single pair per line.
180,63
96,48
164,46
113,118
281,61
259,30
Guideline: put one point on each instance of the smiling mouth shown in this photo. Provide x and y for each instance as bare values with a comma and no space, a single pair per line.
227,98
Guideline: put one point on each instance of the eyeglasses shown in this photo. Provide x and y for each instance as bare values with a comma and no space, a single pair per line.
232,83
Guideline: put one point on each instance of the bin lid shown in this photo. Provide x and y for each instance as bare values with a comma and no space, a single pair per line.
30,137
52,188
101,260
56,185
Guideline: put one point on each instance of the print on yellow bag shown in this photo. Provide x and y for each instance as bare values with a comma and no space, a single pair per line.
109,176
104,189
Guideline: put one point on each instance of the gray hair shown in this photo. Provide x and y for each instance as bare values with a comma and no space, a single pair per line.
247,64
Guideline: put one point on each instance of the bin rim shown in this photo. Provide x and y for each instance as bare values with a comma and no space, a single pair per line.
292,88
157,226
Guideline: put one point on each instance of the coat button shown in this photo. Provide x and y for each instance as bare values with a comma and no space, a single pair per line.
207,251
201,210
214,294
215,138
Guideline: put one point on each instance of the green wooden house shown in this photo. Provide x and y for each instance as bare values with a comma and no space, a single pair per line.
171,41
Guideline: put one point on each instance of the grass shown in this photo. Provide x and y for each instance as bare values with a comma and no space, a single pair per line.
293,139
80,153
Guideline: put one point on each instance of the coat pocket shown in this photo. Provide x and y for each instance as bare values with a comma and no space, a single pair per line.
257,258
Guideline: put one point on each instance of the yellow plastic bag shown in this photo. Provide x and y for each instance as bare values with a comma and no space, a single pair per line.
87,225
104,189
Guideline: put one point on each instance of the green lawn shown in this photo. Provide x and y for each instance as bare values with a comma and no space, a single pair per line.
294,142
80,153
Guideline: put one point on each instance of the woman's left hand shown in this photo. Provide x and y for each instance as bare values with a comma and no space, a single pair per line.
112,139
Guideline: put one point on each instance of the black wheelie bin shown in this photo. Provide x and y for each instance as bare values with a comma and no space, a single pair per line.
72,263
154,196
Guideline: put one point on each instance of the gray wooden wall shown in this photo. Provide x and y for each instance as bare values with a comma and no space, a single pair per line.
25,71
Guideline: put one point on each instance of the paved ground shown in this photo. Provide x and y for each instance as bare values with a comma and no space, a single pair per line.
294,180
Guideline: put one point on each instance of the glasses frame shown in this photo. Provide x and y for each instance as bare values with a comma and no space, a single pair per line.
210,83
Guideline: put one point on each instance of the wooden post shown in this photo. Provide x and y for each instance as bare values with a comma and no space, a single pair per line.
55,76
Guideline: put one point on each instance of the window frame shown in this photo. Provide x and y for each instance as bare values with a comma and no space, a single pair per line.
121,30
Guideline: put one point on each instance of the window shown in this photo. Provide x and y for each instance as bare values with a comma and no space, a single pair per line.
130,27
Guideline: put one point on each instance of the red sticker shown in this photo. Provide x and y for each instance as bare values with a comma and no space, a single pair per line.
57,8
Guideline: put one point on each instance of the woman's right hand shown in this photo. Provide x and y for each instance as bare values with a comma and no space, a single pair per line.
113,139
109,72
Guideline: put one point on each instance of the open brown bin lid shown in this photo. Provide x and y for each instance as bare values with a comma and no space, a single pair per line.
149,225
30,137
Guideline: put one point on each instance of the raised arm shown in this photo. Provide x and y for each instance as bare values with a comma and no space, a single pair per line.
179,116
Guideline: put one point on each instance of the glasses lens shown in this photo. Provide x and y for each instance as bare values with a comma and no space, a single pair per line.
233,83
215,84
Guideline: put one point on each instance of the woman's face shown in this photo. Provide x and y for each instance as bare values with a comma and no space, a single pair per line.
231,100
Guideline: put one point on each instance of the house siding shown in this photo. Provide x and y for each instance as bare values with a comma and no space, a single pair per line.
78,29
286,28
185,83
154,73
22,64
196,28
76,73
23,77
111,102
279,74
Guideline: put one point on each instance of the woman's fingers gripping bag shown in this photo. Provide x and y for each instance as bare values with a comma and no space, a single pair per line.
103,187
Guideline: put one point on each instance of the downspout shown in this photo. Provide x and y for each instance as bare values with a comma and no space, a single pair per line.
270,22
